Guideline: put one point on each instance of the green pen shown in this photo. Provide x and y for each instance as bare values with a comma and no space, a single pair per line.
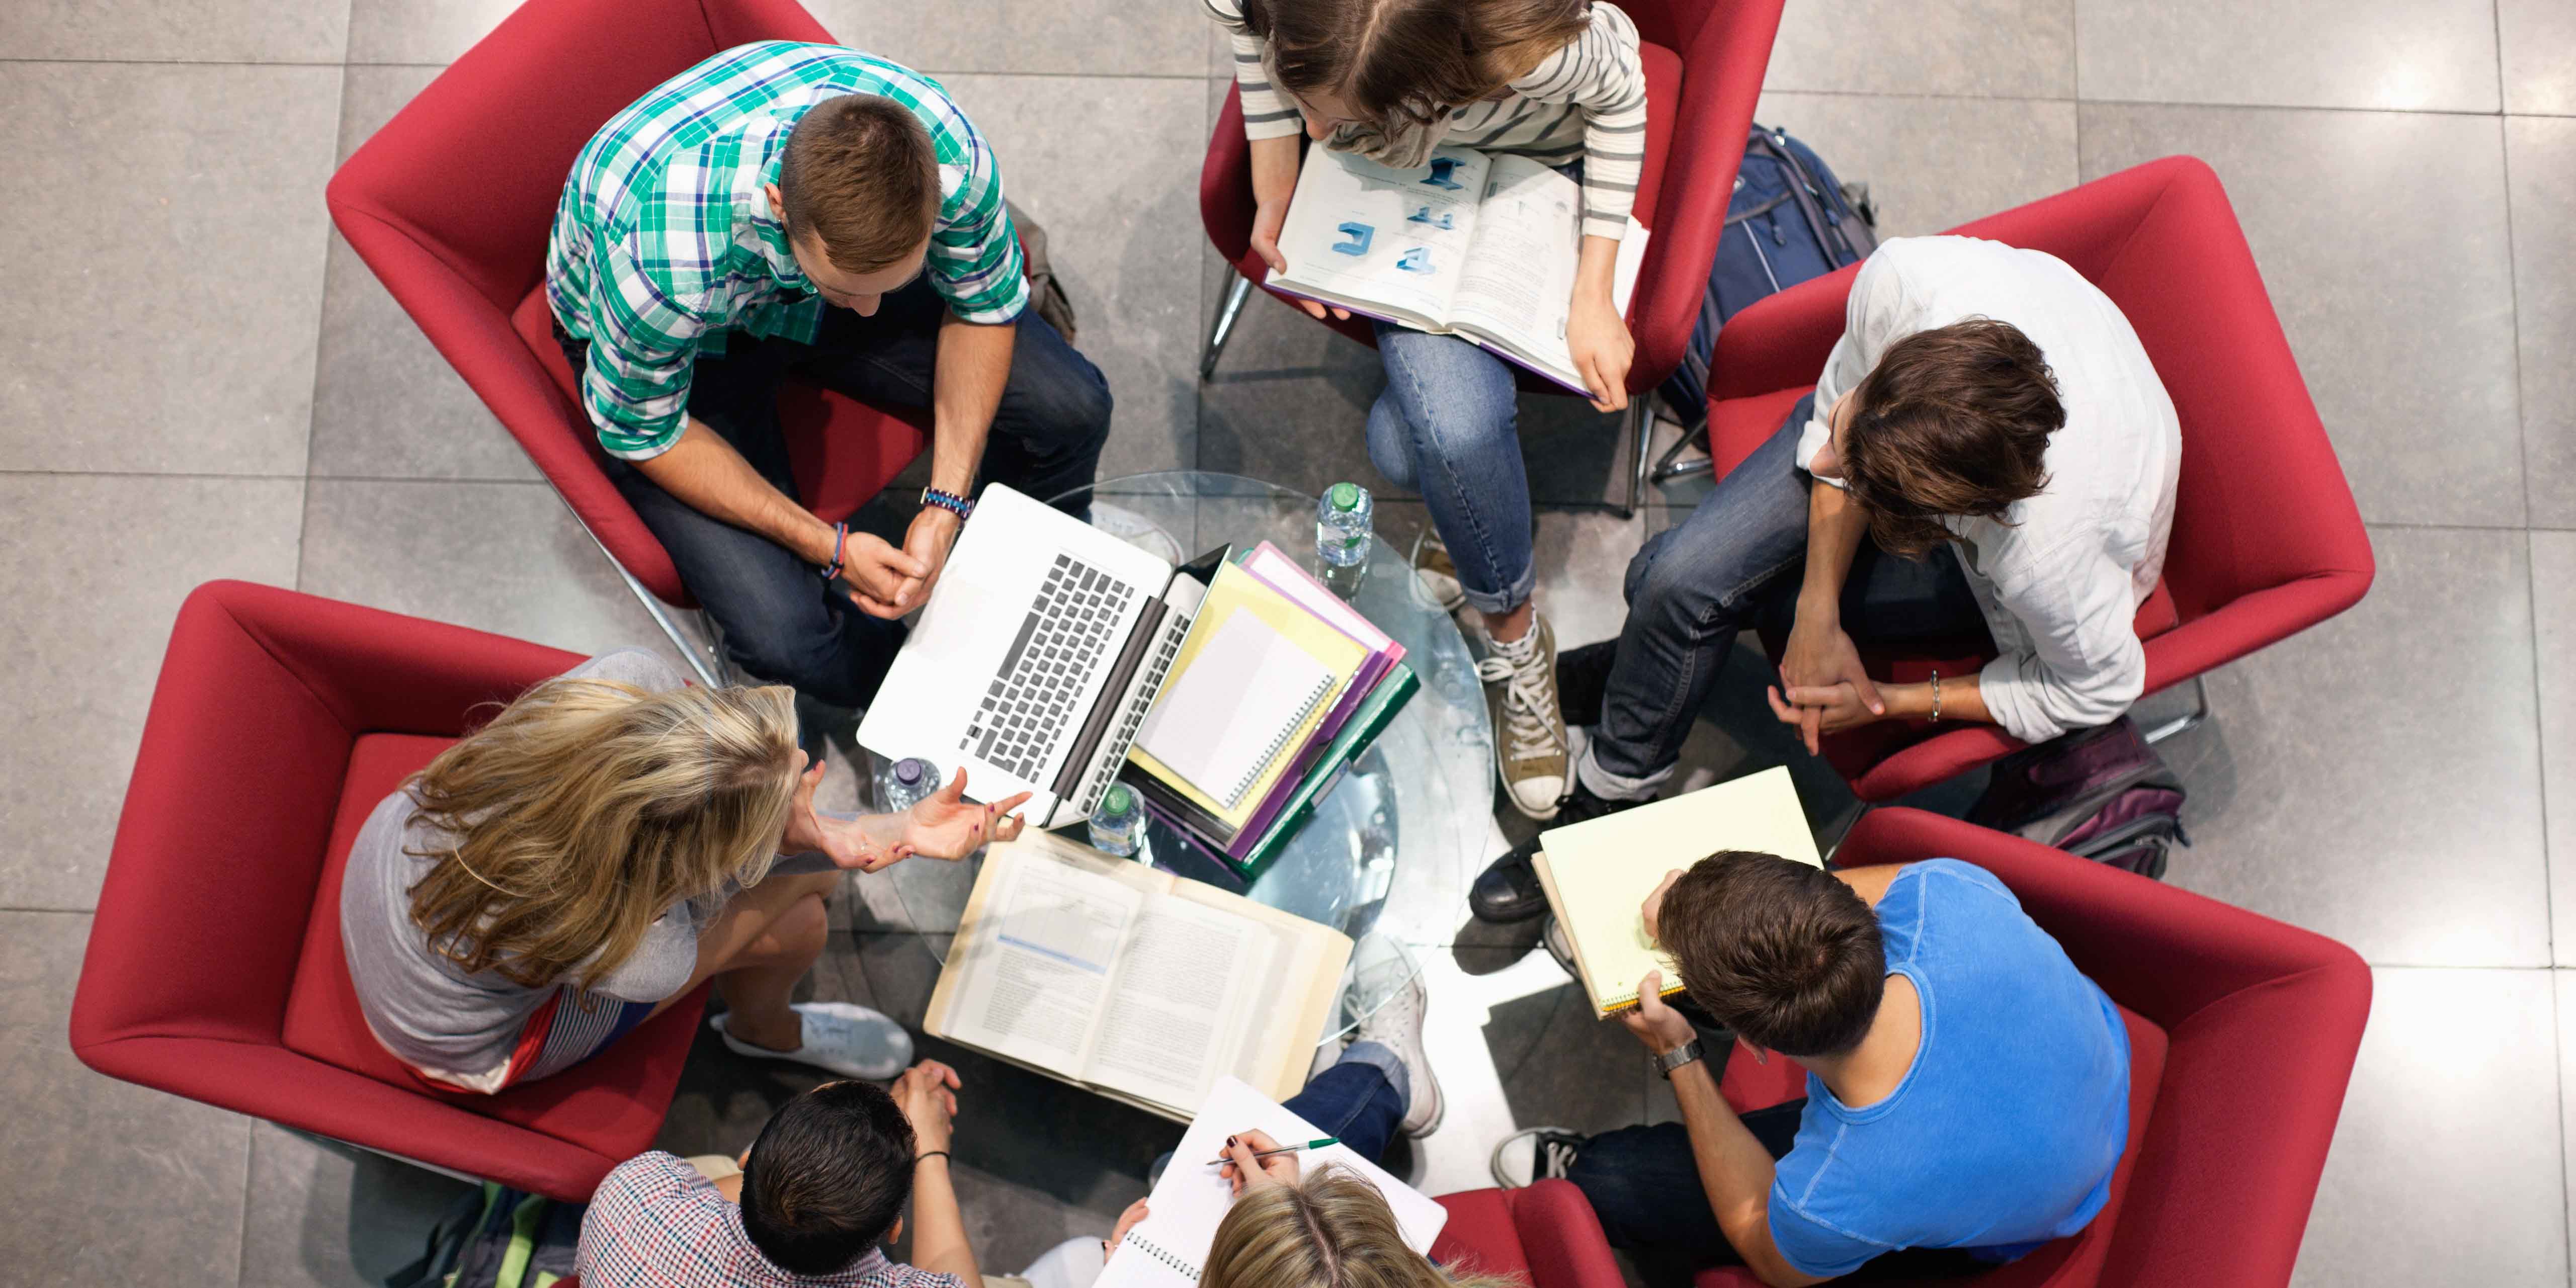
1317,1143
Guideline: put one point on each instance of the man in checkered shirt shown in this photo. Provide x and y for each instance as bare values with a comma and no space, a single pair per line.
808,211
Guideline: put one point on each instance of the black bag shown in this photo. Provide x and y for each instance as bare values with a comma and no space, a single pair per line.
1789,219
2100,794
497,1237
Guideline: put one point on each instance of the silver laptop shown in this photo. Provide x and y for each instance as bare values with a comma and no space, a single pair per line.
1034,661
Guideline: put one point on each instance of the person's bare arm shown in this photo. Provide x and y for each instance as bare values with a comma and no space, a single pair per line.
1595,335
1819,653
927,1094
968,375
704,471
1735,1171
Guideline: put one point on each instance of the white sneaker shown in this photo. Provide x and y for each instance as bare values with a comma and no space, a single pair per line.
1136,530
1530,750
844,1037
1550,1152
1397,1026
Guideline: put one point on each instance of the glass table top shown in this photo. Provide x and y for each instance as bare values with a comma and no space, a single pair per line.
1421,794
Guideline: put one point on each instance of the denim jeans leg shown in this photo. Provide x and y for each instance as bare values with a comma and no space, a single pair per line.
1644,1184
1355,1101
1459,410
782,623
1054,414
1689,590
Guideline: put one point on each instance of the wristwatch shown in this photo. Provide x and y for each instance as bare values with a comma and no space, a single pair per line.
1681,1055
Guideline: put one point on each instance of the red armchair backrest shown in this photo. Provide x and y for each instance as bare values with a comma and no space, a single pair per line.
2262,501
2263,1021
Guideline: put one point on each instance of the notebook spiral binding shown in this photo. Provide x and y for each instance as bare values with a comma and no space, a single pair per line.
1278,742
1164,1255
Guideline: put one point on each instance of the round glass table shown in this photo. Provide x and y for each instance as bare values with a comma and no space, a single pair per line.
1418,801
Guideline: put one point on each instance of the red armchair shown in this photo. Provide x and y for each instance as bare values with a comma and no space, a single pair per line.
2266,539
1704,64
1545,1234
2242,1033
451,204
214,968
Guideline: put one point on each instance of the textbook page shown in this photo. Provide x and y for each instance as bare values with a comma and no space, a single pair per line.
1175,1017
1390,243
1291,1003
1519,284
1033,978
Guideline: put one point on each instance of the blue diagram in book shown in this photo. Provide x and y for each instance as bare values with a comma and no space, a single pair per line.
1416,260
1440,168
1447,222
1356,238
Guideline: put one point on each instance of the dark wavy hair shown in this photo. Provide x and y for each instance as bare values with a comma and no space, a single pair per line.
1953,421
1410,60
1786,955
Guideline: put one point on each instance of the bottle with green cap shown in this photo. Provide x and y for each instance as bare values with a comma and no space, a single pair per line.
1118,825
1342,526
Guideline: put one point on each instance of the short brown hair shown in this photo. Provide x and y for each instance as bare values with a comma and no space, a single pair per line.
1952,421
861,177
1786,955
1398,60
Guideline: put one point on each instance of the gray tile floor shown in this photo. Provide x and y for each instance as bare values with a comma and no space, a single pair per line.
203,381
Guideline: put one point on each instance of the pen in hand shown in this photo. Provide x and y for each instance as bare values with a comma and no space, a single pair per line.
1317,1143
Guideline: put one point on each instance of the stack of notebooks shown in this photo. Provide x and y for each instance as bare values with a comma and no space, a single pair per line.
1278,687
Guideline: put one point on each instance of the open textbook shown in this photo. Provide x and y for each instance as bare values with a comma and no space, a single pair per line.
1598,872
1474,245
1168,1247
1143,986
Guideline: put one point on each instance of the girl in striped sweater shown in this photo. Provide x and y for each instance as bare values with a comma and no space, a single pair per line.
1558,80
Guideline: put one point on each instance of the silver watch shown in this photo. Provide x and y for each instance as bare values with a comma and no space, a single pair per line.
1677,1057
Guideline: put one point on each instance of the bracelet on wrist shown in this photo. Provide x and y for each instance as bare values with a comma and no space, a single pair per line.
928,1154
1936,697
949,501
840,539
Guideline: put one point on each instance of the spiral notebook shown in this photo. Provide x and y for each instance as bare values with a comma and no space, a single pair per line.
1254,678
1166,1249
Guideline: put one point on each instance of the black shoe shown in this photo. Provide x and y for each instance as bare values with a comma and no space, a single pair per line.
1550,1154
1582,676
1508,889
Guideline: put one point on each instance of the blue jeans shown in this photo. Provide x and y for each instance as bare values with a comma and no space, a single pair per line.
1359,1100
1736,562
781,622
1446,427
1644,1184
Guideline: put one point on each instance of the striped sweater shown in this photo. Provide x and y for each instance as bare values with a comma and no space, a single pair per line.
1586,102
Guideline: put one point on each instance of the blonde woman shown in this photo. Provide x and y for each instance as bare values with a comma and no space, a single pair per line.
609,841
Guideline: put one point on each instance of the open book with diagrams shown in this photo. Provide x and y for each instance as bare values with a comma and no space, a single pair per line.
1132,982
1474,245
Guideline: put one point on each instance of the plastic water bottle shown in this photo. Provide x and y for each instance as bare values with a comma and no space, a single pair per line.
1342,528
1118,826
905,782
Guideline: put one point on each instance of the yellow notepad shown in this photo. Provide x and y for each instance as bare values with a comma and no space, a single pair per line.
1224,743
1611,863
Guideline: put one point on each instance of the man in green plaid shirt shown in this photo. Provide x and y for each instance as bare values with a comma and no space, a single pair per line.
801,210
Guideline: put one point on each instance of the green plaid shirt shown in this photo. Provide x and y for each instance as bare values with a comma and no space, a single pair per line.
664,240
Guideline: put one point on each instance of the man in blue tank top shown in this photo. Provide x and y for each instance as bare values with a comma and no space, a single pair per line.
1967,1087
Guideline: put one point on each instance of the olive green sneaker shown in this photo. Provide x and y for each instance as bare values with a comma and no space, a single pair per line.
1530,749
1435,578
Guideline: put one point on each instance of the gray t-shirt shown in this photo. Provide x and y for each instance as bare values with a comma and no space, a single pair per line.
461,1027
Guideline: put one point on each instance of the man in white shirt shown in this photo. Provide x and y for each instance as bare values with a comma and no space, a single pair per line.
2000,459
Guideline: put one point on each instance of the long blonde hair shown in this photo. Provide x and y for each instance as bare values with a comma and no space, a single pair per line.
1331,1229
586,809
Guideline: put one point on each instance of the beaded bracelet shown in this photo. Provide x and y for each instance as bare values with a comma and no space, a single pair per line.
840,538
949,501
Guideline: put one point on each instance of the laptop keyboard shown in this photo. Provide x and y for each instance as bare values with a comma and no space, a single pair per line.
1028,708
1114,751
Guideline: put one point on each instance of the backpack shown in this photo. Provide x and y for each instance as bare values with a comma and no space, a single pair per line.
1788,220
2100,794
497,1237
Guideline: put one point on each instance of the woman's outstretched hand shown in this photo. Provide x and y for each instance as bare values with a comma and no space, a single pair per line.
946,825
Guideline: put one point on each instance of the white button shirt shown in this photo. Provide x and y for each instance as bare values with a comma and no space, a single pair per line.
2061,576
